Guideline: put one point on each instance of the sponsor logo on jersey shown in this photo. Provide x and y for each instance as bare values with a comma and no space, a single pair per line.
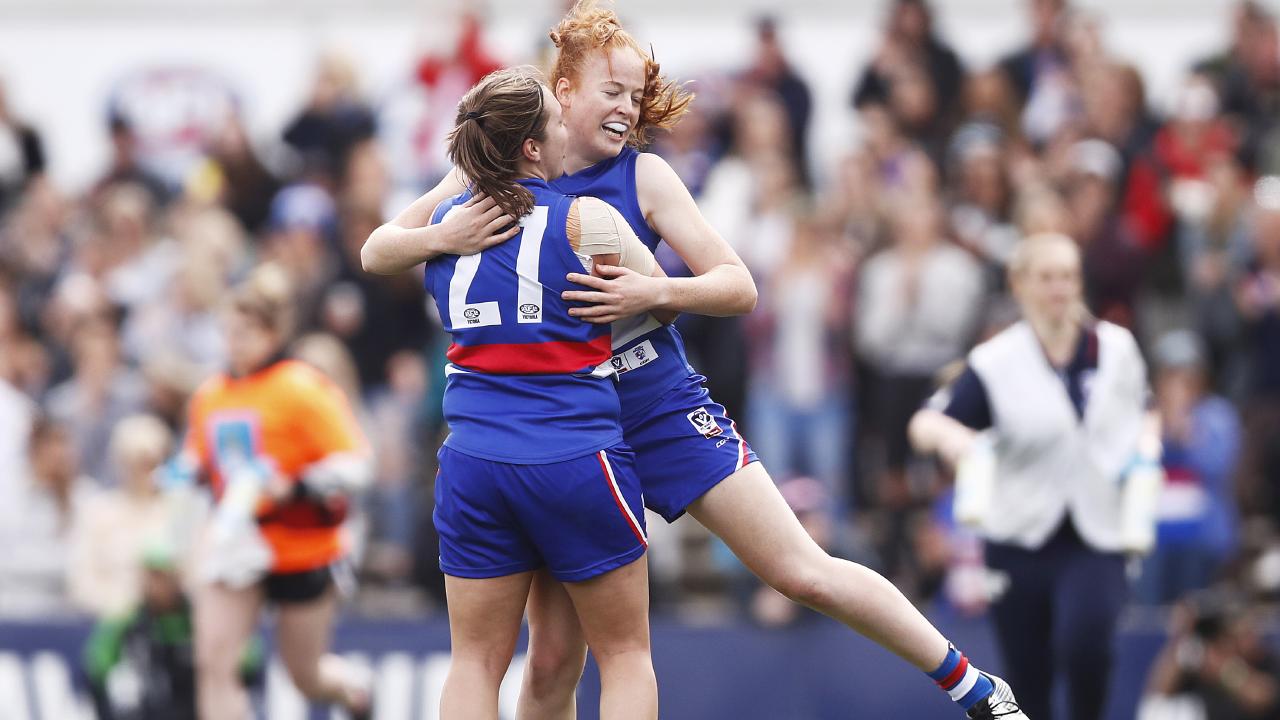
530,311
704,423
472,315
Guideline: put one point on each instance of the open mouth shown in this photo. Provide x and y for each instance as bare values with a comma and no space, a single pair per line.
615,130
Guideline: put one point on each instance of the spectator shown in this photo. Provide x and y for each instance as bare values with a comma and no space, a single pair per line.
909,39
104,575
799,400
247,186
301,240
1215,665
140,663
376,317
917,310
1113,259
1258,299
126,167
1197,528
770,70
21,155
981,198
36,525
16,415
101,392
334,119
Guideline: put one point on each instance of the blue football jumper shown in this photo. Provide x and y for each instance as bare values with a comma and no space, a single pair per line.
684,441
534,472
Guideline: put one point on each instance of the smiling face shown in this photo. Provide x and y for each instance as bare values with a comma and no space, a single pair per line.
602,105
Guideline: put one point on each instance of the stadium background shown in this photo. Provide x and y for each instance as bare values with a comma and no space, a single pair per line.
95,325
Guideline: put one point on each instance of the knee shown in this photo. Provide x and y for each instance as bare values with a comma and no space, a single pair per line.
807,585
551,668
215,660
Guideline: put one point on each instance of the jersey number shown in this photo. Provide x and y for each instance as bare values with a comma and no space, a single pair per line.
465,314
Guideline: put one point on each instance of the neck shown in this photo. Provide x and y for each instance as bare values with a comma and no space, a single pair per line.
575,161
529,170
1059,337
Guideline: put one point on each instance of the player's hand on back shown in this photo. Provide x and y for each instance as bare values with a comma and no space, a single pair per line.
478,225
616,294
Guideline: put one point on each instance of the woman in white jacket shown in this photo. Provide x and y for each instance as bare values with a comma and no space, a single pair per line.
1049,428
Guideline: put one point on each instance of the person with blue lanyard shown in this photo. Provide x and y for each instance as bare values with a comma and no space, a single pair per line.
1057,470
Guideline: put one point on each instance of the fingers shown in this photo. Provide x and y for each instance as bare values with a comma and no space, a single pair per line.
587,297
595,313
481,201
500,221
613,270
588,280
501,237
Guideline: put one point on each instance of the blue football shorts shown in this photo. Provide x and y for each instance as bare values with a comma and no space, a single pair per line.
578,518
685,445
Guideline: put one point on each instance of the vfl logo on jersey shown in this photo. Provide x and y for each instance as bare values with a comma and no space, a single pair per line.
635,357
472,315
530,311
704,423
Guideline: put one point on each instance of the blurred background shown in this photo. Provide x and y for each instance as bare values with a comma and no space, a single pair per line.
152,153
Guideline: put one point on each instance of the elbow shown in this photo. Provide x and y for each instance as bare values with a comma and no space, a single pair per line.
370,259
919,430
749,295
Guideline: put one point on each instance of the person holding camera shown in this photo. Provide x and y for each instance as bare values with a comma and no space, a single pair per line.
1215,665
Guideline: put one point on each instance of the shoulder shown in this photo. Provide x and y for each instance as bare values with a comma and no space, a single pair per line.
654,174
208,390
1118,339
438,213
1008,342
299,376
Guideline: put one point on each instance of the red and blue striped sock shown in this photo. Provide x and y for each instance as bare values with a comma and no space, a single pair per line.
961,680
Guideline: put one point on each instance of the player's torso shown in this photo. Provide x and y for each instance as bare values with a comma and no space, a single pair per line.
520,384
253,417
648,356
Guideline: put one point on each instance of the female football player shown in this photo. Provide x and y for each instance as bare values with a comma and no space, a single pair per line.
689,455
534,476
282,452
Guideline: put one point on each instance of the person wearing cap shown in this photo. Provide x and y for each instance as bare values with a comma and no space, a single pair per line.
1057,458
140,664
1197,520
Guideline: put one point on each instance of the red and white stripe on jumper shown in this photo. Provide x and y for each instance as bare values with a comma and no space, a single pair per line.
531,358
961,680
742,446
621,501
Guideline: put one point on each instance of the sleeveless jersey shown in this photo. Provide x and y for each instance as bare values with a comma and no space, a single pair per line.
289,415
648,356
521,387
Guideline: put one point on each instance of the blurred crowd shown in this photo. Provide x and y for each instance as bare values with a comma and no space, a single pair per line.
877,270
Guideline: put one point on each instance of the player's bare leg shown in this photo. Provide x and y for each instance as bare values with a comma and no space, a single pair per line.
557,654
749,514
614,612
303,634
484,624
225,619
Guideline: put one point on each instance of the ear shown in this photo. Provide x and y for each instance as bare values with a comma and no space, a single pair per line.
531,150
564,92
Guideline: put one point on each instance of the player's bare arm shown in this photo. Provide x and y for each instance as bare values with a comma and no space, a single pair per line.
721,286
408,240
